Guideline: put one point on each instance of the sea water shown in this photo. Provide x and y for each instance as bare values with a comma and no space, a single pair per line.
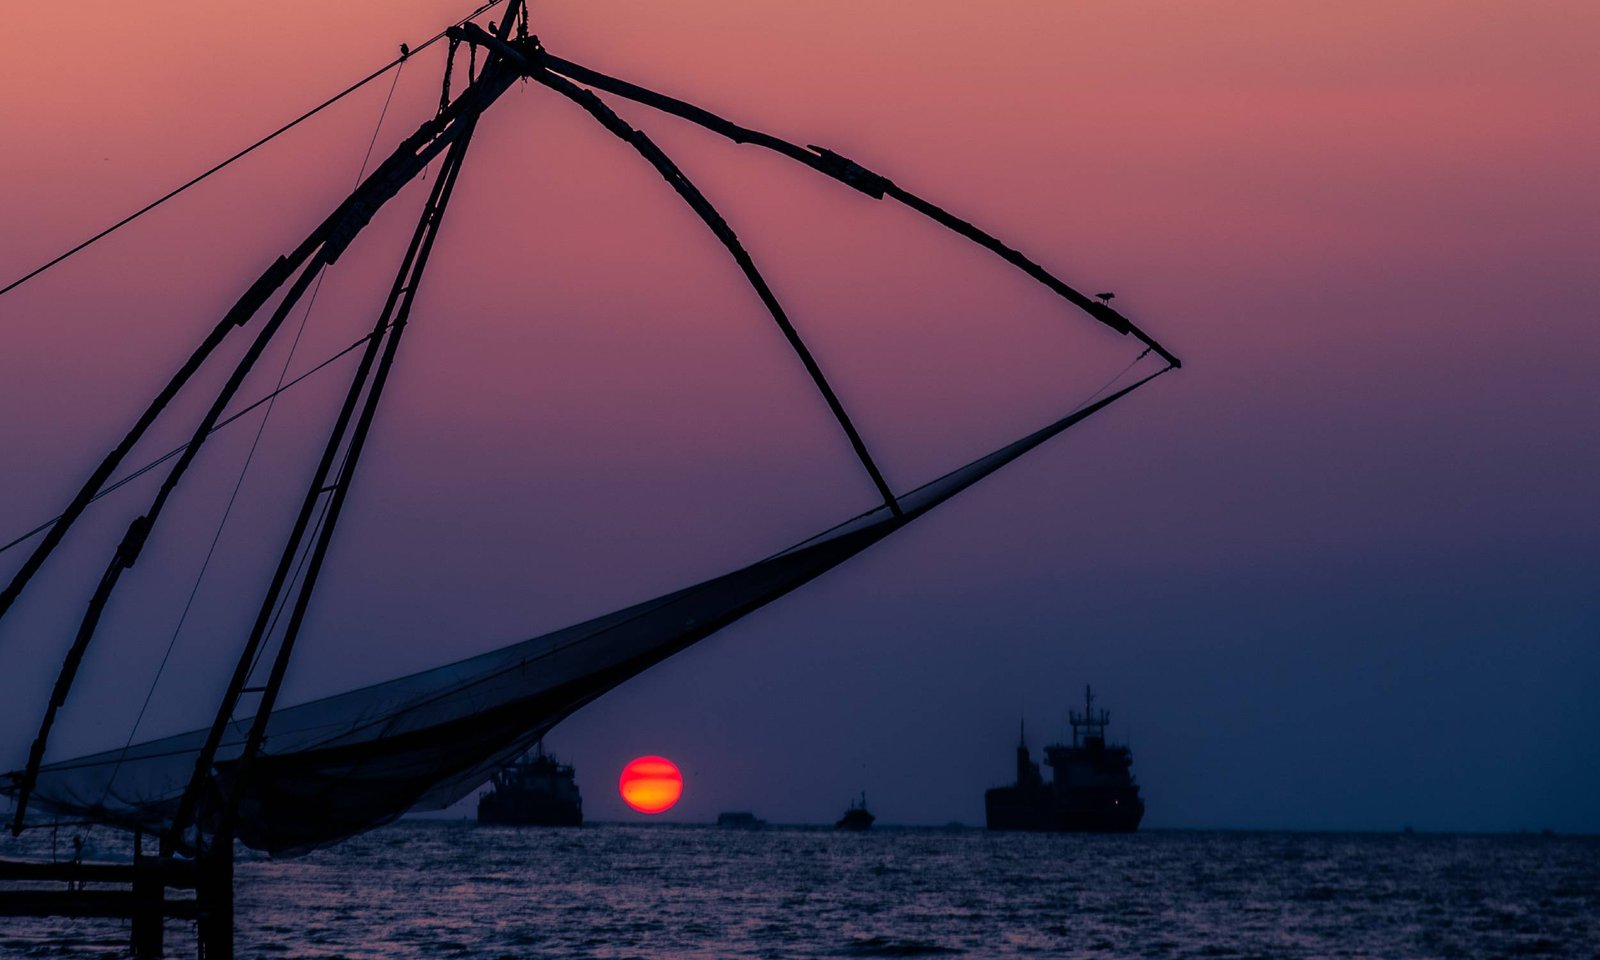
433,889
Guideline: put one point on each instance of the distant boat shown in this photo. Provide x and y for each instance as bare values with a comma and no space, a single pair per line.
740,819
856,817
535,791
1091,790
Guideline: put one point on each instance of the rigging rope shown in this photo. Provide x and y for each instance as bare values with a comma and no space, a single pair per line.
1119,375
244,469
353,435
405,54
109,488
323,246
294,578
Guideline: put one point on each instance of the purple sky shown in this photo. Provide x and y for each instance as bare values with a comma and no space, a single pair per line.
1338,572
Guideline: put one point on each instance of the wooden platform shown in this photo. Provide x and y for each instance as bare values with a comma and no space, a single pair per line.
135,890
180,874
111,904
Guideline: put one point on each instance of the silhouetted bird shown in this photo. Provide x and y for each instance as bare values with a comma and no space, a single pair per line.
1106,297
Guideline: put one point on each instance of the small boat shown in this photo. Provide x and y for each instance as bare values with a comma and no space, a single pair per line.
857,817
740,820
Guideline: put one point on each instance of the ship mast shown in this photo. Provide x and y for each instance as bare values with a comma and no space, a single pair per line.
1091,724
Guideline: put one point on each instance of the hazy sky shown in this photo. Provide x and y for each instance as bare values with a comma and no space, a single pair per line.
1338,572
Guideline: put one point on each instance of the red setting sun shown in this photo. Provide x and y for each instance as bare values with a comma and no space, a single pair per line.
651,784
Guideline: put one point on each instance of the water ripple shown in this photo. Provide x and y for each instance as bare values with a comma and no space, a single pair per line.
423,889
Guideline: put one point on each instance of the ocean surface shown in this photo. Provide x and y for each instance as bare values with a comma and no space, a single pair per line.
452,889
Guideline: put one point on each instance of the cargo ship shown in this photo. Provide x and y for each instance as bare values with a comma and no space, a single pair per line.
1091,788
535,790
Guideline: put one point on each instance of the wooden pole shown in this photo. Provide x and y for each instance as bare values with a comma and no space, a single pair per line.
149,894
852,174
215,893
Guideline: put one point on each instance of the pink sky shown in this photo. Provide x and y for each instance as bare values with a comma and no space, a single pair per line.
1369,228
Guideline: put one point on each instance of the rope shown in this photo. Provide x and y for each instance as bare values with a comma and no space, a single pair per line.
244,469
294,578
367,157
182,447
1082,406
1119,375
283,604
392,64
216,538
651,606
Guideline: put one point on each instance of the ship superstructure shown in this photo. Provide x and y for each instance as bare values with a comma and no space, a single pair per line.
536,790
1091,787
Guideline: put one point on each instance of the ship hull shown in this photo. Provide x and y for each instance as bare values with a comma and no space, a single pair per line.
1041,811
528,811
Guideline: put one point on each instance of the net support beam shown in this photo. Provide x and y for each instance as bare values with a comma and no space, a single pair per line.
321,248
127,552
702,207
856,176
330,237
344,764
462,117
407,280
